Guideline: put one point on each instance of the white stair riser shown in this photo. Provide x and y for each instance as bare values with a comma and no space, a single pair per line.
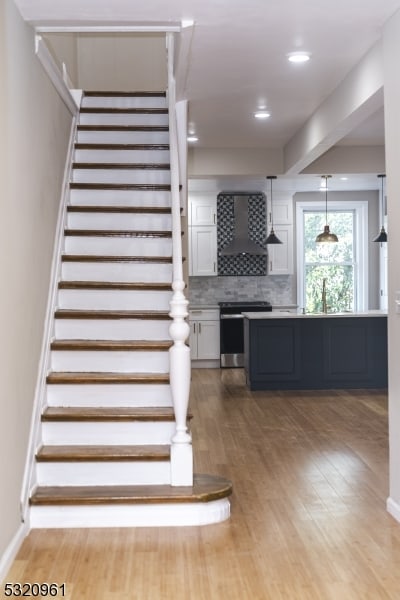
134,515
104,473
122,156
119,221
114,246
124,102
123,137
159,198
111,329
110,361
139,176
145,119
110,432
116,271
114,300
123,395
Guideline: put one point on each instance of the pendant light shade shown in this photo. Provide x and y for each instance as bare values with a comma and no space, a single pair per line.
272,237
326,235
382,235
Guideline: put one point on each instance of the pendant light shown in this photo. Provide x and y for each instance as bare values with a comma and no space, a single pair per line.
382,236
272,238
326,235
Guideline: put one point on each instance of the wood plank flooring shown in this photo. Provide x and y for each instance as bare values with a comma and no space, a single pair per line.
310,482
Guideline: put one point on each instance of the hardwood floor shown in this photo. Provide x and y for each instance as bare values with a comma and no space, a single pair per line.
310,476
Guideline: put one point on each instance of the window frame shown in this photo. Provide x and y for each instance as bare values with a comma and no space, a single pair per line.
360,208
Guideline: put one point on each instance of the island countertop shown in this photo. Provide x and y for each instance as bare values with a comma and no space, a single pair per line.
282,314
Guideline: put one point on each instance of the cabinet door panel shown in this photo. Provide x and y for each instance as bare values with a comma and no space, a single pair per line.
280,256
208,340
204,250
203,211
192,341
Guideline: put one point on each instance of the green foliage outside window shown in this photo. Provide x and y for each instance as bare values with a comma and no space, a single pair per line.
332,261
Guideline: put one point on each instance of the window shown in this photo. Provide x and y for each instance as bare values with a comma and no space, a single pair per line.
343,266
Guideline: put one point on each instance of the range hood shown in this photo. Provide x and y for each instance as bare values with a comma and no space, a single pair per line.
241,243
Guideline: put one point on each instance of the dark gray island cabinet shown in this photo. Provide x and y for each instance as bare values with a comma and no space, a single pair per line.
297,352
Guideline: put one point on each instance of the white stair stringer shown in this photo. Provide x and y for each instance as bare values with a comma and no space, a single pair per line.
104,453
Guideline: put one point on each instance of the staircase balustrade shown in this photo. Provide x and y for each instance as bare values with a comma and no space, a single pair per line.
179,353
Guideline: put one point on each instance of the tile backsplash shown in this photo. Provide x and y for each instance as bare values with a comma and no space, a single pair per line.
279,289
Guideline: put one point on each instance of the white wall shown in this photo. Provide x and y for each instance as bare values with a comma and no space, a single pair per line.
122,62
35,127
243,162
64,48
391,52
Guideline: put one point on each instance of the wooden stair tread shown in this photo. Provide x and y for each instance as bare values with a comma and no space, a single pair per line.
115,259
158,210
122,94
111,345
115,285
206,488
110,146
152,187
67,313
122,166
123,111
88,378
103,453
116,233
67,413
122,128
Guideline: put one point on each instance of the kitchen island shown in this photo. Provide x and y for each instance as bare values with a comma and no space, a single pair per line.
315,351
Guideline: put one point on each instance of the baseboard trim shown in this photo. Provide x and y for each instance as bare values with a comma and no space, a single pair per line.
393,508
12,549
206,364
138,515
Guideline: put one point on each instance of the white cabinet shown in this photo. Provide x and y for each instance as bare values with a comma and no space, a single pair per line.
280,256
204,334
203,235
203,251
202,210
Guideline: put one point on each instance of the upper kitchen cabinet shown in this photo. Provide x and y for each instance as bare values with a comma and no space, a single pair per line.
202,210
280,256
202,235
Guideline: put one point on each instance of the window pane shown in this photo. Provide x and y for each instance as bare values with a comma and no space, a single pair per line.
339,287
340,223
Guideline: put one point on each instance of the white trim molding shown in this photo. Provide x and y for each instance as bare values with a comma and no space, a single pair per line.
393,508
40,391
360,207
12,549
170,26
54,73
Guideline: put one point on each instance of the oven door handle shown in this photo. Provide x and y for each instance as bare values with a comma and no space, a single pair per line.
238,316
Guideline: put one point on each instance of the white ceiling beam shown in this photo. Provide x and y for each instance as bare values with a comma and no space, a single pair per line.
356,98
349,159
107,27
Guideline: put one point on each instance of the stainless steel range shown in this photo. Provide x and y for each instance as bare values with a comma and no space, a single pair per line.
231,329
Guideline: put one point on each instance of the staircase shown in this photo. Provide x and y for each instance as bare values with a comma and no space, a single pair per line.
104,458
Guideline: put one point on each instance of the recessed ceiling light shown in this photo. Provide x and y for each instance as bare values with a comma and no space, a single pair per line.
343,178
262,114
298,57
192,138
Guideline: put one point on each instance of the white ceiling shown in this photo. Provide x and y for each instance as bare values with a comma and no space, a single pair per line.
237,58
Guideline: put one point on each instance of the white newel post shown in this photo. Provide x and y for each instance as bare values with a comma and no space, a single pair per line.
179,353
179,357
